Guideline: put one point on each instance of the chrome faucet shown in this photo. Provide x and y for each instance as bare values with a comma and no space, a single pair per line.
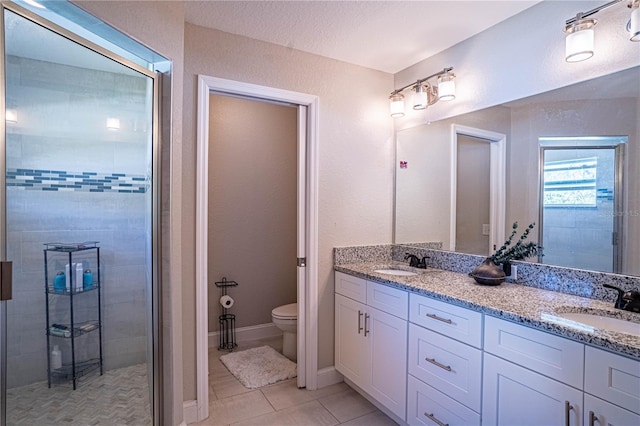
627,300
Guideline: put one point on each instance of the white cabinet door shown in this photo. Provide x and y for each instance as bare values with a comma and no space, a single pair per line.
513,395
601,413
388,338
352,351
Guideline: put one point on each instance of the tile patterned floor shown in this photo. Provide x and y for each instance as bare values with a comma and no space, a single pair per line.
283,403
119,397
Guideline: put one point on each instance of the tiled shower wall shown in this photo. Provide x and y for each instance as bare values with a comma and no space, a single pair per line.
69,179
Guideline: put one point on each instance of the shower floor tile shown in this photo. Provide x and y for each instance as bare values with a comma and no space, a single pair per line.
119,397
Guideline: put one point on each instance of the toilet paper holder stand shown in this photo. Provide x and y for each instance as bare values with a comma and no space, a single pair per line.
227,321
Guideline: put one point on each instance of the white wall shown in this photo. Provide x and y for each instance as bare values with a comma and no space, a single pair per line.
355,150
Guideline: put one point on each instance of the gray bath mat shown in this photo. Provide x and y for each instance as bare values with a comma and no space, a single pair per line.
259,367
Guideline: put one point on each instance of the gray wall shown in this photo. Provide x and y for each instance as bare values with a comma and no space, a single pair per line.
472,194
252,207
37,214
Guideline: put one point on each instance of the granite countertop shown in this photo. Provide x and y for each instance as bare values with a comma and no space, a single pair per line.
528,306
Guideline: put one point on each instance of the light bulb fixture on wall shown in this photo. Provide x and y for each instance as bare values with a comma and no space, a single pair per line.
424,93
633,26
580,31
11,116
113,123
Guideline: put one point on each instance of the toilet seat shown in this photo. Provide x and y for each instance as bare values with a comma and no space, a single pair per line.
286,312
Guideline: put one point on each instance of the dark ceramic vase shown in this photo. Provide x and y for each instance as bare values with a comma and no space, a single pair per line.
488,273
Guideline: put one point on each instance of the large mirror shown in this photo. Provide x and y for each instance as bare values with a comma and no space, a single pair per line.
572,166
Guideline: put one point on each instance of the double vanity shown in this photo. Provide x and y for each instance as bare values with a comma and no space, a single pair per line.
431,347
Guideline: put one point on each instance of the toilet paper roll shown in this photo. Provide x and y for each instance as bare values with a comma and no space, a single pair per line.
226,301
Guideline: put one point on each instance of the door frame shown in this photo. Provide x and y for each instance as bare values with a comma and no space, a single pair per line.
307,291
497,182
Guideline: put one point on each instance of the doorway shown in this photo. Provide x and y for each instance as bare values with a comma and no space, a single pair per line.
79,176
477,232
306,234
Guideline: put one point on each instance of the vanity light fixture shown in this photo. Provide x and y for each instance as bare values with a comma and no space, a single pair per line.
633,26
424,93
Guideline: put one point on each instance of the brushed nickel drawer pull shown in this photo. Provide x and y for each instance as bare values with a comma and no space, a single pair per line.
359,316
567,413
435,317
366,320
436,363
436,420
592,418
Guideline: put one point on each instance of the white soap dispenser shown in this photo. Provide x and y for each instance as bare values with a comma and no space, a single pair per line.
56,358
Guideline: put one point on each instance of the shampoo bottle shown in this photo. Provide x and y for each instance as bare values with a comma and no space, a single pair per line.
67,273
87,279
59,283
56,358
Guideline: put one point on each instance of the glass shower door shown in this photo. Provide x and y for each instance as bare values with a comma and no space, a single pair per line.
78,174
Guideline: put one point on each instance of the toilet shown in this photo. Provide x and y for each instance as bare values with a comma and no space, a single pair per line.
285,317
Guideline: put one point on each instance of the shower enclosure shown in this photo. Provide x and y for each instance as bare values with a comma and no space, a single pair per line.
79,152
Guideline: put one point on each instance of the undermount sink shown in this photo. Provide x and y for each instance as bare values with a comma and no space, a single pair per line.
398,272
595,320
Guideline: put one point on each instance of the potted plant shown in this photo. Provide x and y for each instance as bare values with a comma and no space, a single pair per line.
489,273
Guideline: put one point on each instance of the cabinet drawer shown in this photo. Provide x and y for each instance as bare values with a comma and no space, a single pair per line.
424,401
453,321
447,365
553,356
352,287
599,412
613,378
388,299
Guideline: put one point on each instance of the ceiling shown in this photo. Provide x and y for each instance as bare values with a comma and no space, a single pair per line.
384,35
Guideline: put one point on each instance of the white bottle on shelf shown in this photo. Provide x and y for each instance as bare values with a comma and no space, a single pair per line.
56,358
68,269
77,277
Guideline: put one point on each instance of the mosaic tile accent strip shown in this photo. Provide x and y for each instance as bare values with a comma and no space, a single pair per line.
57,180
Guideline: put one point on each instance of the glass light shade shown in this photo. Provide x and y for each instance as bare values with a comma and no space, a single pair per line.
420,98
446,87
579,40
113,123
634,24
396,105
11,116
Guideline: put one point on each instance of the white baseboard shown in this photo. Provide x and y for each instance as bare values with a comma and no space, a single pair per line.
329,376
260,331
189,412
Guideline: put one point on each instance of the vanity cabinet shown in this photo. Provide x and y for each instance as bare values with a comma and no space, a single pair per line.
562,381
371,339
445,363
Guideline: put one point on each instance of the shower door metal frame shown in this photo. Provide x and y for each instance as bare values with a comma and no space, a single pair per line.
156,314
618,198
